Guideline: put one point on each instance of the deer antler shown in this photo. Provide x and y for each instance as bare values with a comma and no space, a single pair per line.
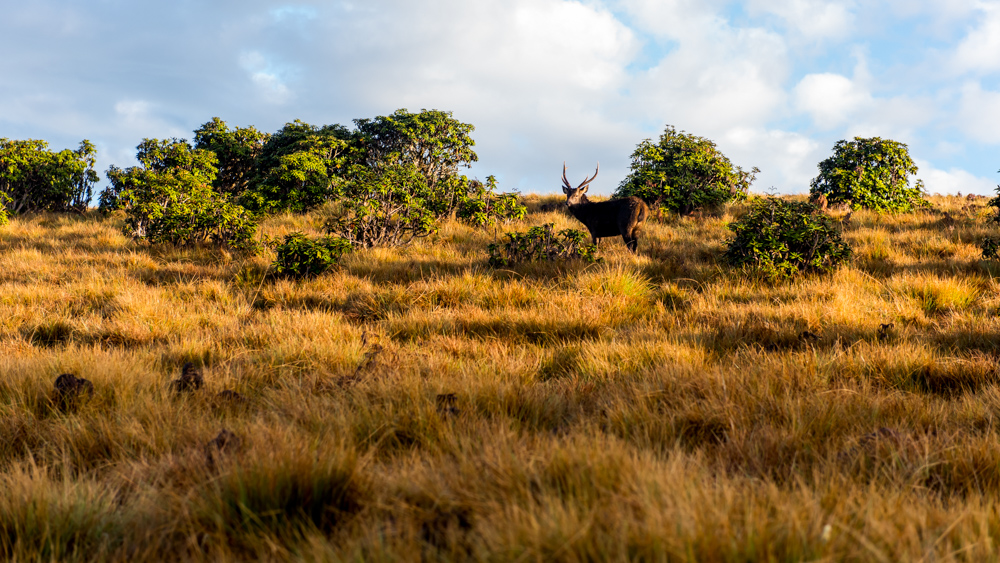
565,181
589,180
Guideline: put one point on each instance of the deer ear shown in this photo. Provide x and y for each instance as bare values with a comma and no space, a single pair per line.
565,191
584,190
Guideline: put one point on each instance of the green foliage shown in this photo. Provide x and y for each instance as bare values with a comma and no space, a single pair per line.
300,256
990,244
237,151
432,141
300,167
481,206
780,238
169,198
34,178
870,173
541,243
684,172
382,207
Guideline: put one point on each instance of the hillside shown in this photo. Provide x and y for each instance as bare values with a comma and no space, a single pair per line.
416,402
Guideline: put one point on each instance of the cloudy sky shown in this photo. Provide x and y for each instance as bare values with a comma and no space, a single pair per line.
775,83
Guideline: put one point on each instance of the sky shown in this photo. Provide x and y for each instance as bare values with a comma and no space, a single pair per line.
774,83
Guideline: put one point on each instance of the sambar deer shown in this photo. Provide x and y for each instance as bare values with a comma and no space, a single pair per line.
622,216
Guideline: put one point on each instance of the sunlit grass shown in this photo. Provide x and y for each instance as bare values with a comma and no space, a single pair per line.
416,404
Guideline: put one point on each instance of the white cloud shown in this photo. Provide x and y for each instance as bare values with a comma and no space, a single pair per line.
979,113
787,160
269,85
831,100
980,49
953,180
812,19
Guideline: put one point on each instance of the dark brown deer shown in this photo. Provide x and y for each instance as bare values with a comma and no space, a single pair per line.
606,218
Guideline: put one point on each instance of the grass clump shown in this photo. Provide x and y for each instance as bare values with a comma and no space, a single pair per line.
541,243
780,239
300,256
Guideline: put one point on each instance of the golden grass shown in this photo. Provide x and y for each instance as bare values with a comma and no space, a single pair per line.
658,406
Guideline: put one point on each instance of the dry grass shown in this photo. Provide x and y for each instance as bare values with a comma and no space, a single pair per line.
415,404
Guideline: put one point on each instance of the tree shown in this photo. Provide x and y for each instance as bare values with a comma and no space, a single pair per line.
34,178
237,151
433,142
300,167
169,198
684,172
871,173
779,239
382,207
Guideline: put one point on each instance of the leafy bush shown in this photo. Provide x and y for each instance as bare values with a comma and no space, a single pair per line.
540,243
382,207
169,198
481,206
684,172
301,167
991,245
300,256
34,178
432,141
870,173
237,150
781,238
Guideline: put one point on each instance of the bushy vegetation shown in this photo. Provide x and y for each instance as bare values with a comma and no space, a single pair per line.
541,243
481,206
684,172
34,178
300,256
869,173
169,198
778,239
390,180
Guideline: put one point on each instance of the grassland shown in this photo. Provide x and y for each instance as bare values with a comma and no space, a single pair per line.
415,404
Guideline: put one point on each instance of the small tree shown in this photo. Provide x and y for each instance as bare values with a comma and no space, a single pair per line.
300,167
684,172
432,141
169,198
34,178
481,206
543,244
779,238
237,151
383,207
869,173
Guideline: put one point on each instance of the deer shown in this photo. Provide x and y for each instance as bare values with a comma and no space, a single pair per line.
622,216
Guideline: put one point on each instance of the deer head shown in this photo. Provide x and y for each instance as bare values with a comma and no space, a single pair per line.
576,195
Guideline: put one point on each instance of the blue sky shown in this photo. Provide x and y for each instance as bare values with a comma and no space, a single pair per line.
775,83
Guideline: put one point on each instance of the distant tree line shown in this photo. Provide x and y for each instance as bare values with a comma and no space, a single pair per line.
387,180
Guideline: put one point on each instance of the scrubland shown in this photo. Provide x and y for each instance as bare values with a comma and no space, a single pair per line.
416,404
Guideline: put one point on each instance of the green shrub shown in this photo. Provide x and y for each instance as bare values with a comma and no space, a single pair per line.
169,199
540,243
383,207
481,206
870,173
990,244
780,238
684,172
34,178
300,256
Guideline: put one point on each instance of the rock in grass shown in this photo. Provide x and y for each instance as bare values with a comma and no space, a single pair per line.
68,390
225,443
446,404
190,380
